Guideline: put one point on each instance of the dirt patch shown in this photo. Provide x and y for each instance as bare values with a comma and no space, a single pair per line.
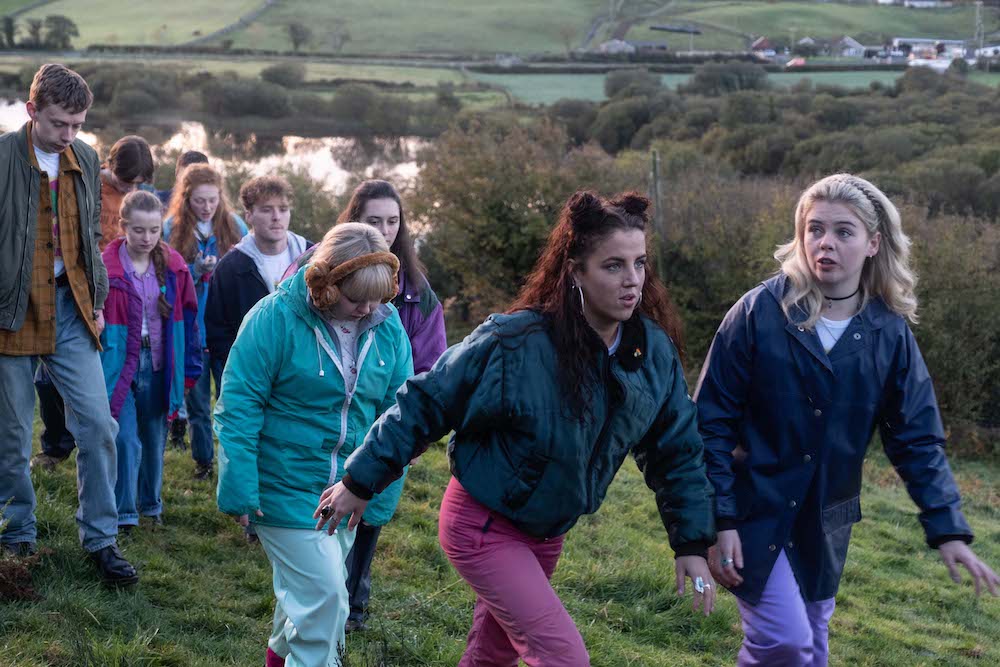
15,577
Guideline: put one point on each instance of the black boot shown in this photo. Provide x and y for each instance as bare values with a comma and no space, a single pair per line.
113,568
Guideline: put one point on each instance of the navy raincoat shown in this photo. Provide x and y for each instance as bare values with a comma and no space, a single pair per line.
804,418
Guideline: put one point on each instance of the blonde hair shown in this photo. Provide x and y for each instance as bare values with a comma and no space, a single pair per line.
887,275
344,242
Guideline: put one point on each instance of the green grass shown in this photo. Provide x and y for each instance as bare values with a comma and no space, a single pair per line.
205,597
429,26
7,6
799,19
115,22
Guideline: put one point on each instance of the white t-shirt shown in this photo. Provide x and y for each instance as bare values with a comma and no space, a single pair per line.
347,335
49,163
618,341
205,229
274,267
830,331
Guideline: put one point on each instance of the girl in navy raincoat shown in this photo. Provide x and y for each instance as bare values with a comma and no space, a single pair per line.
802,370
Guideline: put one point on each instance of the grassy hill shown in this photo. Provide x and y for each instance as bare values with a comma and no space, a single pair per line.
723,21
205,597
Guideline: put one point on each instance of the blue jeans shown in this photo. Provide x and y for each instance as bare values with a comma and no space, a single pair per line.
76,372
199,409
142,431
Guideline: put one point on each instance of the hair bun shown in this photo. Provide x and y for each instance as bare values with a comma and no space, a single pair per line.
585,202
632,203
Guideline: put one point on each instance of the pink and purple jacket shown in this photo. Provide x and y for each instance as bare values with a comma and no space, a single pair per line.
122,336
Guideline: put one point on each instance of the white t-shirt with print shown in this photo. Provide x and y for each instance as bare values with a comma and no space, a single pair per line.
274,267
49,163
347,335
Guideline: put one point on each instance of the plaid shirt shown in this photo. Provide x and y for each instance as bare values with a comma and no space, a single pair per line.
38,335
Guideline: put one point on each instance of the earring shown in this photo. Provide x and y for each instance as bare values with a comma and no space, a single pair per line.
583,302
640,298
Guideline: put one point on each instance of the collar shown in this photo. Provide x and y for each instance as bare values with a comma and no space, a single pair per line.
631,350
875,314
67,159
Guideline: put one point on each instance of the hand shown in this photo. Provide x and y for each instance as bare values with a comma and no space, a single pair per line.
244,519
728,549
957,551
696,568
336,503
99,321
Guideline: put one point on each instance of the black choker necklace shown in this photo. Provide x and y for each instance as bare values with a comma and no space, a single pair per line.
831,299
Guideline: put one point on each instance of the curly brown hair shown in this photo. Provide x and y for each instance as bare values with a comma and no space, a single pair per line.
584,221
264,187
184,220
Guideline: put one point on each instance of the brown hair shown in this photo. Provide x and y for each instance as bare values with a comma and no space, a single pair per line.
147,202
188,158
58,85
184,220
130,158
402,246
264,187
584,221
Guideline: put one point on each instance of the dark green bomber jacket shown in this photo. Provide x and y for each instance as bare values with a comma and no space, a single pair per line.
517,449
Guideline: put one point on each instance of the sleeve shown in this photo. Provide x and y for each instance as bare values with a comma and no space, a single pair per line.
913,438
192,343
429,340
239,412
100,271
220,323
670,458
462,390
721,396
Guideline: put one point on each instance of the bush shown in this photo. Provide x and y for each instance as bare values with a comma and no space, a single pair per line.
288,75
632,83
126,103
240,97
718,79
617,123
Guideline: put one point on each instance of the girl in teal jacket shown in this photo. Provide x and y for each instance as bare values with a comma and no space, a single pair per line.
314,364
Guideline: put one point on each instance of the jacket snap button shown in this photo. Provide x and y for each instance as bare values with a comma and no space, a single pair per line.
817,412
801,328
792,503
791,544
771,547
857,336
807,458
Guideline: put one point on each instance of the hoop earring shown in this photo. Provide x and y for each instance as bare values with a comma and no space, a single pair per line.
583,302
640,298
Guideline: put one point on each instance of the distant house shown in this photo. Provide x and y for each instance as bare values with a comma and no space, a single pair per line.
615,46
806,41
643,46
848,47
928,4
988,51
762,44
890,2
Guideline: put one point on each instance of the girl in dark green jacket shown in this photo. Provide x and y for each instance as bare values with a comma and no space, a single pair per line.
546,401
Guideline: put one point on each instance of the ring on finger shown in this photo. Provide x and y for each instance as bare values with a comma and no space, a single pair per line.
326,511
726,562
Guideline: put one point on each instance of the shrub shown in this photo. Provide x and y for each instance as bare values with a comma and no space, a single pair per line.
288,75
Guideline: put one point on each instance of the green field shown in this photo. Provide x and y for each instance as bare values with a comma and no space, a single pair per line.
547,88
800,19
429,26
112,22
205,597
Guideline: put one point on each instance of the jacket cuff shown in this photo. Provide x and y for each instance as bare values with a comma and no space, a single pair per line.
355,488
725,523
935,542
692,549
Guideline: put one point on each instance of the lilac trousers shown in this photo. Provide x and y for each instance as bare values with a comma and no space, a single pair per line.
783,630
517,614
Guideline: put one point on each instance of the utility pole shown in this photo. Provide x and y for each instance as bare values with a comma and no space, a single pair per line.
980,31
658,221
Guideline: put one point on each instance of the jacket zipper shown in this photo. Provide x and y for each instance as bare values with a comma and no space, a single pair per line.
602,437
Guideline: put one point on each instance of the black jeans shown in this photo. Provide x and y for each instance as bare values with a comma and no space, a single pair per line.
56,439
359,574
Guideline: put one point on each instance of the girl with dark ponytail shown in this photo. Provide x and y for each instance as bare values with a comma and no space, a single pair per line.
150,351
545,402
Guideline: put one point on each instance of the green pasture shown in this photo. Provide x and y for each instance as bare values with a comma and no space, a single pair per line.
429,26
205,597
152,23
827,20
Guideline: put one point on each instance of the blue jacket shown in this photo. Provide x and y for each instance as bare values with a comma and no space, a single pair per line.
201,281
517,448
284,421
804,419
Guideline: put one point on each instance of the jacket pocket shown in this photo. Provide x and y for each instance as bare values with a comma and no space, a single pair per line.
841,515
523,485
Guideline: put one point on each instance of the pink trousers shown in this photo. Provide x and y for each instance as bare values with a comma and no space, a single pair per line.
517,614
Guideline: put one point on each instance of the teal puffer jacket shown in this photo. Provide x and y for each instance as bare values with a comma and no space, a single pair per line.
284,422
519,451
